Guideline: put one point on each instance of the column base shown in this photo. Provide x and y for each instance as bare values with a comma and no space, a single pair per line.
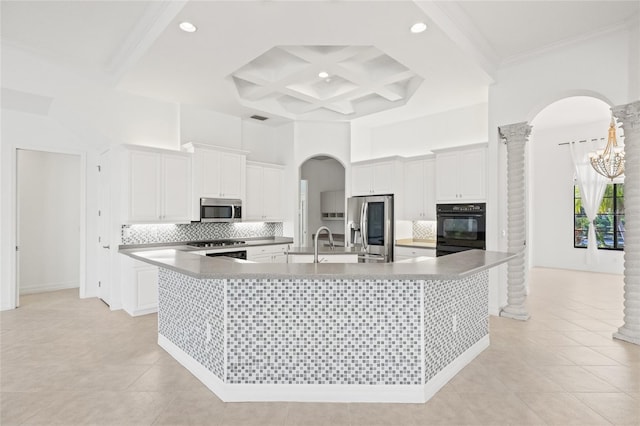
624,334
517,314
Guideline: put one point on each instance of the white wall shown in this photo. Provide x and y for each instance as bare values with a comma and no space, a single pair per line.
102,117
201,125
285,136
419,136
323,175
551,207
264,142
49,218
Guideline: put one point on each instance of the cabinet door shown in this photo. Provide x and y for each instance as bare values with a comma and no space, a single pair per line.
253,201
414,190
146,290
448,176
272,194
326,203
412,252
267,254
382,178
176,184
231,175
429,190
144,186
473,174
361,180
339,202
209,163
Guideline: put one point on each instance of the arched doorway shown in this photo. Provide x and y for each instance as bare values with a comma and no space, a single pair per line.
322,178
550,182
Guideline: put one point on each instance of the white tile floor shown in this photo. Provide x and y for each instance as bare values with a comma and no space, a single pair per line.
73,362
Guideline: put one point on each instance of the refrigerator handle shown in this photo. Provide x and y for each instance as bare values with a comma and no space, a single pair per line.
363,226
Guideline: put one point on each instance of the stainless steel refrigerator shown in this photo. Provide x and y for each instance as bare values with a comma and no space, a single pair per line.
370,227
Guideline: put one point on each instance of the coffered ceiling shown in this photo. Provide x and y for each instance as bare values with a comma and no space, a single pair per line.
325,82
263,57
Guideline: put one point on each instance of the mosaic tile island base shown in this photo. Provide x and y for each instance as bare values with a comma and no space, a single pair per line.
384,338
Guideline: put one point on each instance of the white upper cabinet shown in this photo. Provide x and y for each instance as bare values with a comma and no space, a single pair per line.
420,189
144,187
217,173
176,183
158,186
461,175
374,178
264,192
332,205
220,173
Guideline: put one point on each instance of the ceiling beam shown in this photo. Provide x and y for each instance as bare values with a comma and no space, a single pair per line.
157,17
457,25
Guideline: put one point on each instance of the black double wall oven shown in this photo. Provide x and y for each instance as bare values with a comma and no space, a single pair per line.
460,227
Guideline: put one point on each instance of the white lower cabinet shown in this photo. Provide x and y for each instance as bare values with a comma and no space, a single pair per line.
140,288
329,258
403,253
268,254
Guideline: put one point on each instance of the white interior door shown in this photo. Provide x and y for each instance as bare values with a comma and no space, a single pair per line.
104,237
18,224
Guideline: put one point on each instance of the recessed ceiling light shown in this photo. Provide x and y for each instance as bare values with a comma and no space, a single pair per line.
323,74
418,27
188,27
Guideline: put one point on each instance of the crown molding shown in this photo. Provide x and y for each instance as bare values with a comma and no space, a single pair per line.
624,25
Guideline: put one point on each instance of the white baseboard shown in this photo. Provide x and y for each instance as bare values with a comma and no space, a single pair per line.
141,311
43,288
494,310
448,372
322,393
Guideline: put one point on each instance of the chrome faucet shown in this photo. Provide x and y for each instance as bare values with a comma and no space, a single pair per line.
315,242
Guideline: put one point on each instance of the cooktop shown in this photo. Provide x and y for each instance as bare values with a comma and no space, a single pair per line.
217,243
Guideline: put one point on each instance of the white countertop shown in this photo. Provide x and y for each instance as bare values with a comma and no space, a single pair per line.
453,266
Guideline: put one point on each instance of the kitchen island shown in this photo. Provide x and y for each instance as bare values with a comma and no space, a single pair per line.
394,332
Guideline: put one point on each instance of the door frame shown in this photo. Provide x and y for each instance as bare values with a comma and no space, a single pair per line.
82,155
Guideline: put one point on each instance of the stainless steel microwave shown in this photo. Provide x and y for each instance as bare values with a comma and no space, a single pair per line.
220,210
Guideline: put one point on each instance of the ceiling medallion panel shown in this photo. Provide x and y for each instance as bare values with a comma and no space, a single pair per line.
325,82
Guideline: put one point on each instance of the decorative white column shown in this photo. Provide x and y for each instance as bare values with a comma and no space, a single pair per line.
515,136
629,115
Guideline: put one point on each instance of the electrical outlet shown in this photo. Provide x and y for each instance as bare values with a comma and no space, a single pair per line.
454,322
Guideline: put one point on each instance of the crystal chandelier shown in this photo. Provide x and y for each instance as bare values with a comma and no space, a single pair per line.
610,161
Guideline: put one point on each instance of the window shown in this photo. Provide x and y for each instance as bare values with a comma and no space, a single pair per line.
609,221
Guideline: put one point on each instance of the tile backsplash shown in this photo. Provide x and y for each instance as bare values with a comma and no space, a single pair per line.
424,230
165,233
